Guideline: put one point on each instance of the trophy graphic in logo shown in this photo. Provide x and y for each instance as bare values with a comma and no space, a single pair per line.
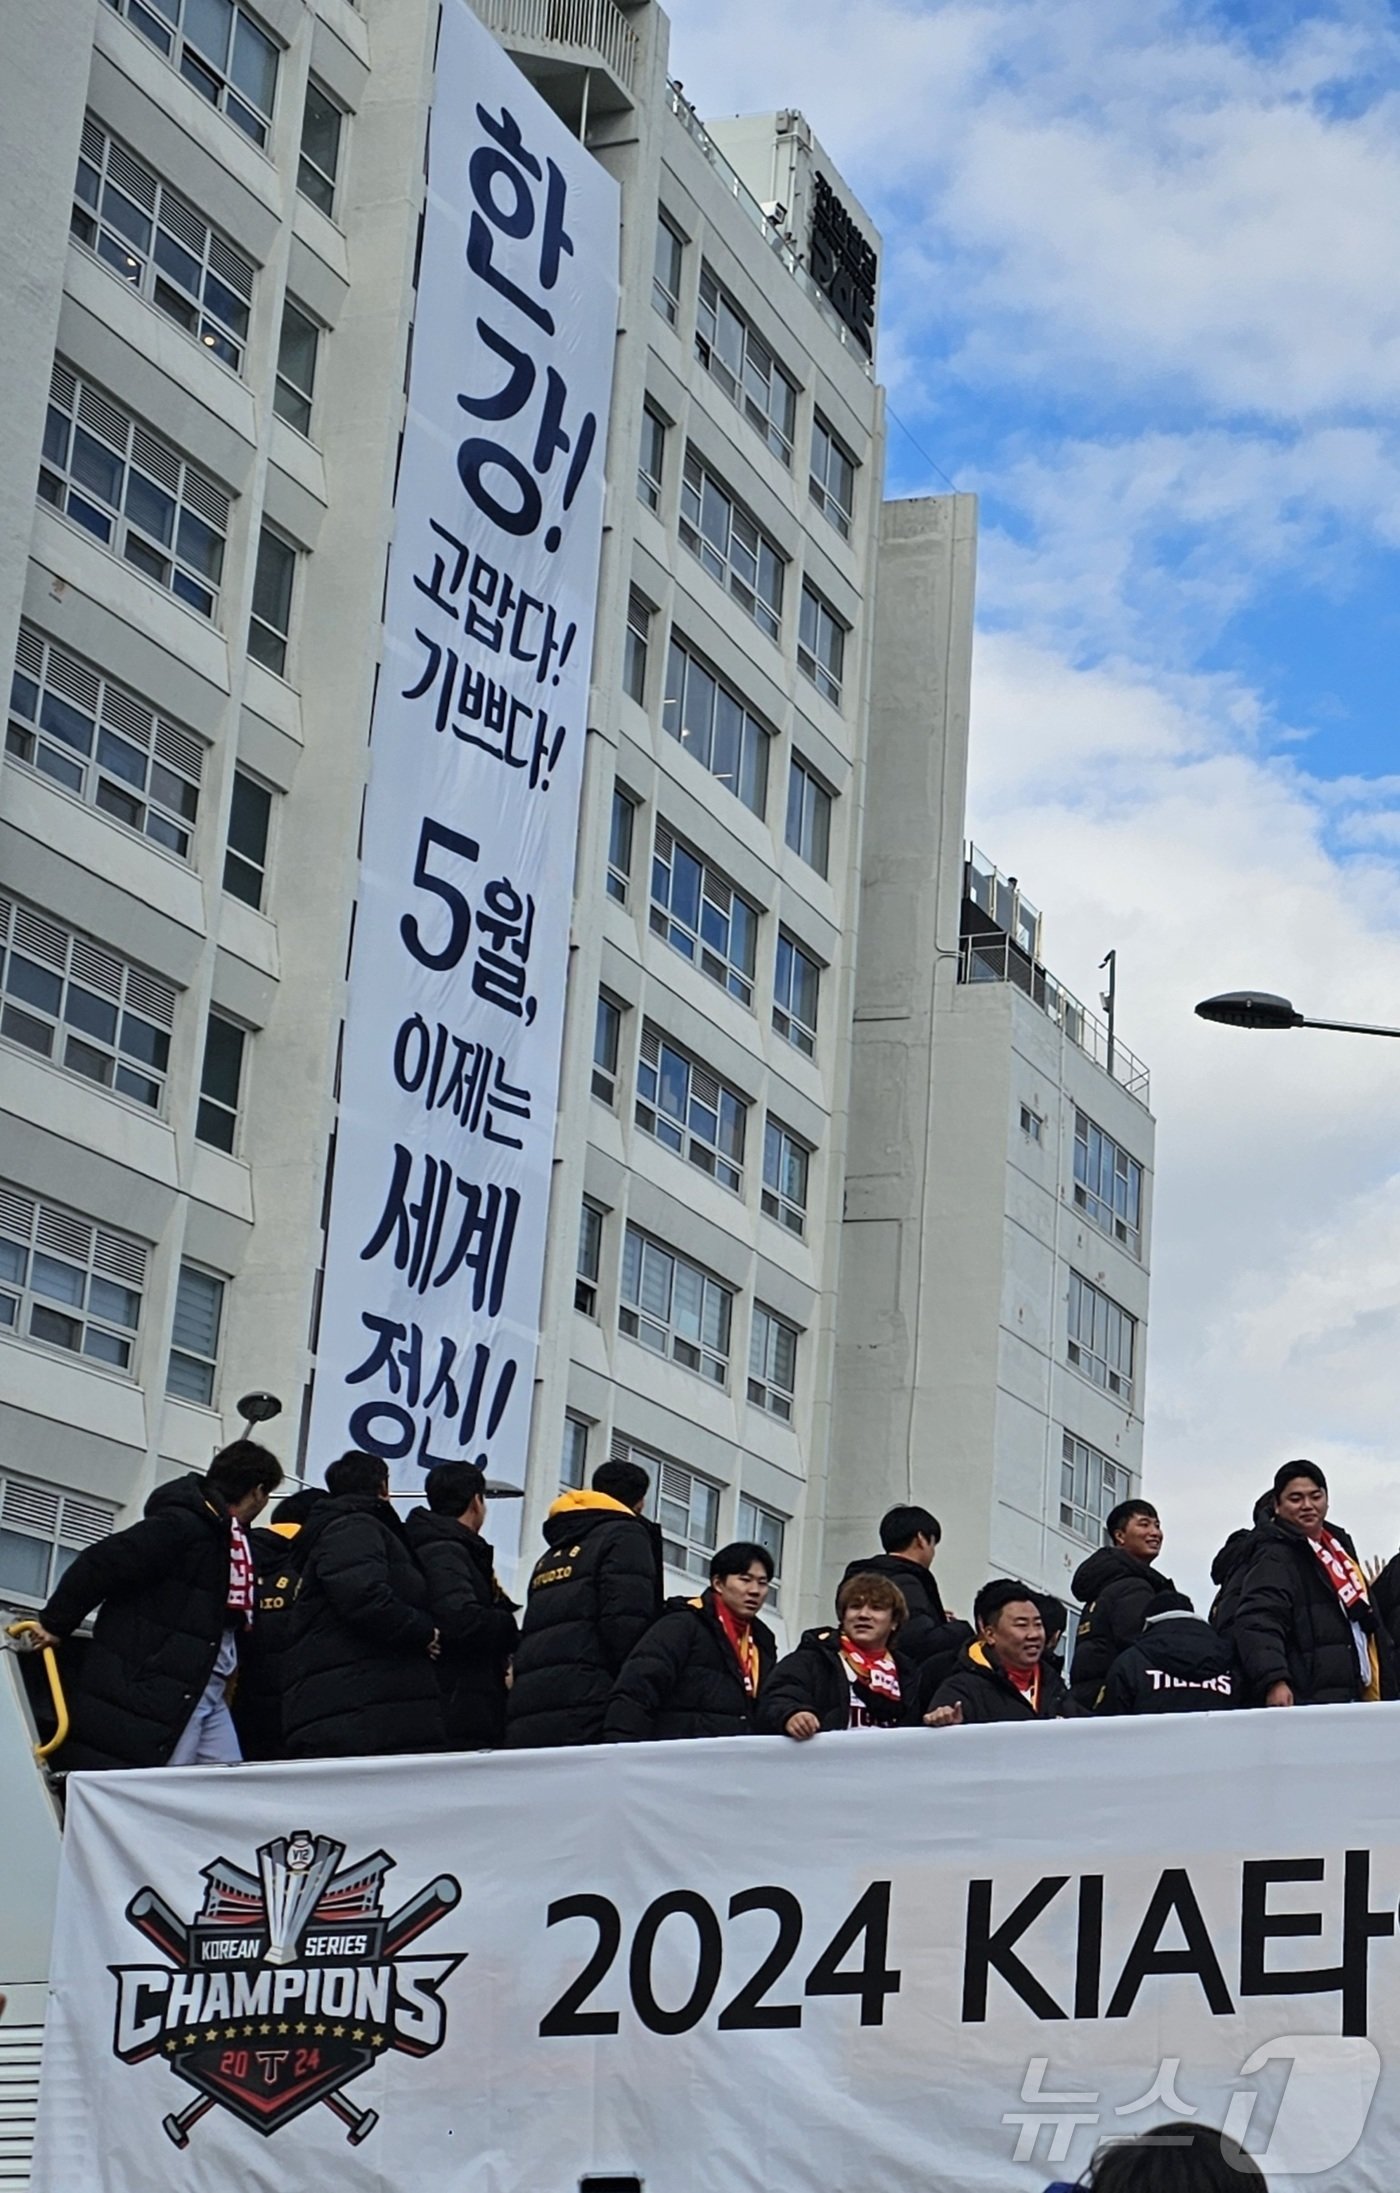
295,1870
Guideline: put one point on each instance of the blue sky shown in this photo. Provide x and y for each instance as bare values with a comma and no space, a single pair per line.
1141,296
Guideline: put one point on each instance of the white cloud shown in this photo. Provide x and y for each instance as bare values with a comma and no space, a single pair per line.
1125,217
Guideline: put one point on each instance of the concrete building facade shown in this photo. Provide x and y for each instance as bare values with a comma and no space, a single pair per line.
211,263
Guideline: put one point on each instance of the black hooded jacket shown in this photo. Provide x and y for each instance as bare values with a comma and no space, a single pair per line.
262,1663
1178,1664
813,1679
360,1680
1227,1570
1116,1591
986,1693
593,1592
162,1590
931,1635
1290,1627
683,1679
476,1623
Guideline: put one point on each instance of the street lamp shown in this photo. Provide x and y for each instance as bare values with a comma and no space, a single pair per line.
1262,1009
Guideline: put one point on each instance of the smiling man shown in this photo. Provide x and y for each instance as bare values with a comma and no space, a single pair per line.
1003,1675
698,1671
1117,1588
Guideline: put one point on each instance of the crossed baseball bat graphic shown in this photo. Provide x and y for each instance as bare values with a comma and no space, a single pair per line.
160,1925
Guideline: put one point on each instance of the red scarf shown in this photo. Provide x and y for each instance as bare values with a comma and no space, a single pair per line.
1340,1571
741,1638
1027,1682
876,1670
242,1578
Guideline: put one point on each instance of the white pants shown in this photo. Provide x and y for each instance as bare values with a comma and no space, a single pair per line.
209,1738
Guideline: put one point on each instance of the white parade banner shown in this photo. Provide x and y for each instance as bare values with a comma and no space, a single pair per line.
923,1961
430,1309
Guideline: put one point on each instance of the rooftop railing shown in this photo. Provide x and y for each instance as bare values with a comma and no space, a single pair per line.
1001,959
772,235
599,26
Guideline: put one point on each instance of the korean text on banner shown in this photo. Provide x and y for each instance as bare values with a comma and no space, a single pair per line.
951,1961
435,1248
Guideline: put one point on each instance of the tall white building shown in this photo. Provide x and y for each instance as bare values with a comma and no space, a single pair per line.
210,267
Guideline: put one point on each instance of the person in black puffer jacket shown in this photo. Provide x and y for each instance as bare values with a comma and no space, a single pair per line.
1227,1570
361,1677
700,1669
850,1677
1004,1675
165,1621
475,1620
1116,1588
262,1664
1177,1664
593,1592
929,1635
1305,1630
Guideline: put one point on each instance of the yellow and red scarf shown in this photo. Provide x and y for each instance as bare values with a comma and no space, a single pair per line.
741,1638
1347,1581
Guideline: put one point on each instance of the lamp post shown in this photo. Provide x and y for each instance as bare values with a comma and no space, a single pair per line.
1262,1009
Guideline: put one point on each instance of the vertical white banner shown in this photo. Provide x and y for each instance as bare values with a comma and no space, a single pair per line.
435,1254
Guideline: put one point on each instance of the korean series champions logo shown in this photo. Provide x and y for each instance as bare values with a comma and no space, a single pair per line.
286,1985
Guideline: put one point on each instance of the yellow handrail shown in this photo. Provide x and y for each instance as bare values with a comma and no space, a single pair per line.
60,1703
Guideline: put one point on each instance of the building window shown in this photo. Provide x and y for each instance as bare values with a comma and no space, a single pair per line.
674,1308
689,1111
1032,1125
219,1083
133,492
81,1007
745,368
1102,1339
785,1162
687,1509
821,645
796,990
99,742
652,461
1107,1184
139,228
249,820
42,1531
624,809
607,1033
666,271
731,546
715,727
808,816
634,654
1091,1485
761,1527
832,481
573,1460
194,1336
68,1283
772,1363
702,916
296,367
217,48
271,620
590,1252
321,124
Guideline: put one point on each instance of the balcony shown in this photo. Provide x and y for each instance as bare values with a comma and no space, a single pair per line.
1000,942
581,55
